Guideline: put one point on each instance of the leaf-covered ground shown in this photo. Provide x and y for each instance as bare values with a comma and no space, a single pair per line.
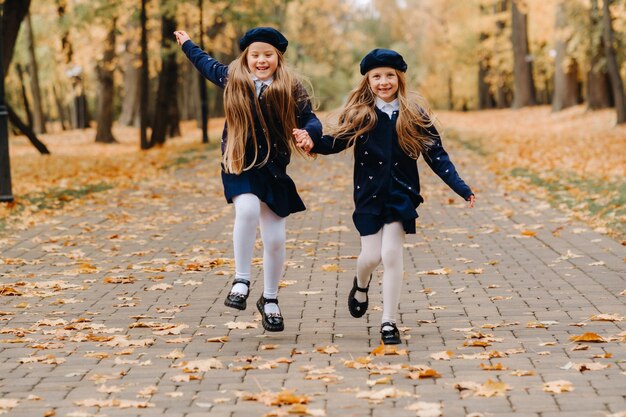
574,159
113,303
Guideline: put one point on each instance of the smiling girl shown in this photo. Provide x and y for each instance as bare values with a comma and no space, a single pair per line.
389,129
264,102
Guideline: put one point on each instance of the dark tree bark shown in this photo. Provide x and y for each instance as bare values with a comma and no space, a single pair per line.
60,109
17,122
29,114
80,114
485,97
143,103
166,111
14,12
613,67
566,68
106,70
503,91
524,91
598,84
39,118
129,115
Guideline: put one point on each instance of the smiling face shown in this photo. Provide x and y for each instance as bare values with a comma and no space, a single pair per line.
262,60
384,83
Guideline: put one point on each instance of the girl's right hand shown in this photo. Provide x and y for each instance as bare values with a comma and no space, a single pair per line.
181,36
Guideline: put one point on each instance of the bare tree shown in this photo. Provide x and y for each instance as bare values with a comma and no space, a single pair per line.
566,67
524,94
106,70
611,61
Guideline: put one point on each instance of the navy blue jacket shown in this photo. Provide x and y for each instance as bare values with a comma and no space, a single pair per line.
380,164
269,182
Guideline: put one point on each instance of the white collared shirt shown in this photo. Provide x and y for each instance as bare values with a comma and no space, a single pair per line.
259,83
387,108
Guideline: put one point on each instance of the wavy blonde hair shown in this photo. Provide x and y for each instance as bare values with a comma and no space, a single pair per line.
358,117
282,98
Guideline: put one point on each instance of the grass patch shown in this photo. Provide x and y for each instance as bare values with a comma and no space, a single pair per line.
190,156
602,201
56,198
473,144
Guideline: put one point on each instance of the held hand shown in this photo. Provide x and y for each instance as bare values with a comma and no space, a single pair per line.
471,200
181,36
303,140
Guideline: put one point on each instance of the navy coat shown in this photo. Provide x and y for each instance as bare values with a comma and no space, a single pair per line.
269,182
381,166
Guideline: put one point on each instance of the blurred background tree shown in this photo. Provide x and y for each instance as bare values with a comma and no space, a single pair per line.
81,64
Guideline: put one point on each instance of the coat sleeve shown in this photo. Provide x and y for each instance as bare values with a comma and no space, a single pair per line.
437,158
327,145
209,67
306,119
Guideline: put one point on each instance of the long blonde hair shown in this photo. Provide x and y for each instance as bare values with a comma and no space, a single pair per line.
358,117
281,98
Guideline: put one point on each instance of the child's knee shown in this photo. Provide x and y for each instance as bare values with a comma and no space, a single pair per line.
391,258
274,245
369,261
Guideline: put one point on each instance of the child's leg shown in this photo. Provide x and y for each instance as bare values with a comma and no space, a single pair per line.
273,235
393,264
368,260
247,212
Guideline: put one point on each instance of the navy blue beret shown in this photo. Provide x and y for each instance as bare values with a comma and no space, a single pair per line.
382,58
264,34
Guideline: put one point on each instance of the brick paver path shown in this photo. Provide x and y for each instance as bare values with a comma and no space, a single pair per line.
114,302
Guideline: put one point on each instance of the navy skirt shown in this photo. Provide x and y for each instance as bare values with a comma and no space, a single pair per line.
278,190
399,207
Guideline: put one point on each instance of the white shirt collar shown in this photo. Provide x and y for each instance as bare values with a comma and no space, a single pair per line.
258,83
387,108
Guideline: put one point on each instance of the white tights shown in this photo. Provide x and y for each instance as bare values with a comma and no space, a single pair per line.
386,245
249,213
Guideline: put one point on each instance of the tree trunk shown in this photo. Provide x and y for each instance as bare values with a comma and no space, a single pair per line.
13,11
166,111
143,103
204,105
485,97
39,119
17,122
613,67
106,71
524,92
60,109
598,84
566,68
80,115
29,114
132,74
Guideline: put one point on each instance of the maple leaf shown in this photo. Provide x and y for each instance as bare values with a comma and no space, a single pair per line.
378,396
175,354
558,387
383,350
200,365
159,287
445,355
380,381
588,337
494,367
440,271
607,317
7,404
186,378
329,350
423,374
219,339
284,397
240,325
473,271
332,268
521,372
426,409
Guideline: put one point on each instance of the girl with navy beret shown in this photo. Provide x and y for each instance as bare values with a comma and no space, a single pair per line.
264,102
389,129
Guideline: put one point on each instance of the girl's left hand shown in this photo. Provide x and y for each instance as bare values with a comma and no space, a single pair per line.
303,139
471,200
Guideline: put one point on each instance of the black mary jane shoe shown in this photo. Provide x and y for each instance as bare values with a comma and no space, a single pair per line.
271,322
356,308
390,337
235,299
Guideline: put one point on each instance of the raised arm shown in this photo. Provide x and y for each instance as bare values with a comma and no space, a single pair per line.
208,66
437,158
